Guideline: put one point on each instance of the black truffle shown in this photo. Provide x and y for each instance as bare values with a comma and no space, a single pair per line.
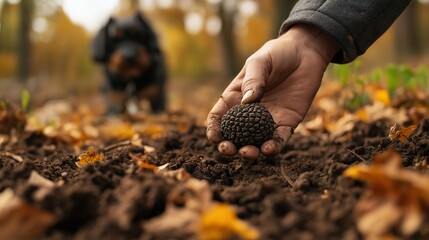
248,124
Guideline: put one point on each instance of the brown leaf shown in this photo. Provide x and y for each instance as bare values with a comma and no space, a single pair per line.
401,133
396,196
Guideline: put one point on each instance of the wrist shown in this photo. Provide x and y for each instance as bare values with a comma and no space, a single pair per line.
314,38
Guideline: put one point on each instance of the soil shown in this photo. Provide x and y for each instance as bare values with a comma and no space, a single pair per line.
114,198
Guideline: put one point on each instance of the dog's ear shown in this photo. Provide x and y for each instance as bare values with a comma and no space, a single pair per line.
100,44
151,38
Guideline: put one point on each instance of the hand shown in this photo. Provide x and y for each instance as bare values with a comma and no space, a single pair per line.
284,75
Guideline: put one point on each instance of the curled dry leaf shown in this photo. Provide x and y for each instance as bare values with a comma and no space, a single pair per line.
401,133
396,197
143,163
198,214
45,185
89,157
185,205
221,222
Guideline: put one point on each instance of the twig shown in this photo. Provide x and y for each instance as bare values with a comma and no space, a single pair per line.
117,145
361,158
13,156
286,176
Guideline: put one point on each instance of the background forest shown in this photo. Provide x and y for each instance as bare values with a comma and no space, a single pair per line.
45,44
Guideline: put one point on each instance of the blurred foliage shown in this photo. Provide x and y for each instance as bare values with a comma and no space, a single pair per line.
359,88
60,48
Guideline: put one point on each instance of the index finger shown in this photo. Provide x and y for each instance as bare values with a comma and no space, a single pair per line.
214,120
230,97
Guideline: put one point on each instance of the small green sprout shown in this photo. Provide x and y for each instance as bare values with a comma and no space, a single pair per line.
25,100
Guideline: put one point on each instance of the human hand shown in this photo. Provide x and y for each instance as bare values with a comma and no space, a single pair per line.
284,75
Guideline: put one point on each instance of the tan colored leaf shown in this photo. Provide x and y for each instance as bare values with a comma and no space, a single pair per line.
117,130
378,221
154,130
19,220
45,185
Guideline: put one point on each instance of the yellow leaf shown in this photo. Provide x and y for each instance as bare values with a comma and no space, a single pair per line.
362,114
356,172
221,222
89,157
381,95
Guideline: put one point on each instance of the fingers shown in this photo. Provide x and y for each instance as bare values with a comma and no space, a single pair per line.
213,132
269,148
273,146
256,72
249,152
227,148
230,97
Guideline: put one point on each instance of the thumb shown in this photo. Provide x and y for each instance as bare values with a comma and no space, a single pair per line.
256,72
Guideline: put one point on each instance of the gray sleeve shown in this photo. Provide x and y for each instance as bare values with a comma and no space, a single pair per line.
354,24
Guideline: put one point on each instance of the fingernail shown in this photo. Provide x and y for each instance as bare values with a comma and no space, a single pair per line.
247,95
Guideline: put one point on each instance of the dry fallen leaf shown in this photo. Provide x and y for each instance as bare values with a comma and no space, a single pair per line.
396,197
401,133
142,162
117,129
221,222
19,220
45,185
185,205
382,96
89,157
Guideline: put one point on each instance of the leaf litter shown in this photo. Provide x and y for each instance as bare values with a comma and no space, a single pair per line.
397,198
160,177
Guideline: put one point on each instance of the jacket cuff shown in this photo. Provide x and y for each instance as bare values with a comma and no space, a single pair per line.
338,32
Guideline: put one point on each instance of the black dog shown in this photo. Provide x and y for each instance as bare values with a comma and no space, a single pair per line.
129,50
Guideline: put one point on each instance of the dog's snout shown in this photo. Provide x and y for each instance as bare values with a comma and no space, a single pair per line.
129,54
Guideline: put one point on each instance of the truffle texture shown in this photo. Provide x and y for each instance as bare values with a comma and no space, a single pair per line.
248,124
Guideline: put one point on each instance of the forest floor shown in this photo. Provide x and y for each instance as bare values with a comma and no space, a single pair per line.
68,172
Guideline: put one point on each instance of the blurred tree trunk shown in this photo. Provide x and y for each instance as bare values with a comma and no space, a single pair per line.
406,32
24,43
282,10
227,38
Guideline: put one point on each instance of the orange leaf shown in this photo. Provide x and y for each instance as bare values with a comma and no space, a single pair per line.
89,157
402,134
395,196
143,162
